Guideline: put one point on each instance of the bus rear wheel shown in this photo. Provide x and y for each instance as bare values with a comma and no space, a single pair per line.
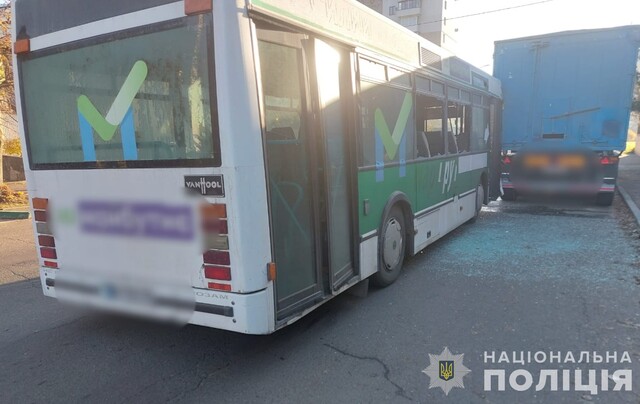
391,248
479,203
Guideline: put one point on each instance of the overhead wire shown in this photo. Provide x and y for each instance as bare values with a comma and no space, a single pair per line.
482,13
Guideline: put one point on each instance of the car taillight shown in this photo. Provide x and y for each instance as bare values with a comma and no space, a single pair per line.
216,257
607,160
46,241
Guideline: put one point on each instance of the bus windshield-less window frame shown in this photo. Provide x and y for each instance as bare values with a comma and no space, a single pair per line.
71,96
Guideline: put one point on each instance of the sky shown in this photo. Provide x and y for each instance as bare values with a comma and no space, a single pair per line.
476,34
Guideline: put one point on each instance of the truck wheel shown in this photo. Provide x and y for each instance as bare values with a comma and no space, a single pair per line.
391,248
604,198
509,194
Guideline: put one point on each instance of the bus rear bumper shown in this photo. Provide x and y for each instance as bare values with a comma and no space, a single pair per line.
245,313
251,313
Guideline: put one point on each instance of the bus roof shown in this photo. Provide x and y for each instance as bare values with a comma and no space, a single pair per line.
356,24
345,20
34,18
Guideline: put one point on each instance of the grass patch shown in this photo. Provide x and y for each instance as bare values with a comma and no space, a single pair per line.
11,199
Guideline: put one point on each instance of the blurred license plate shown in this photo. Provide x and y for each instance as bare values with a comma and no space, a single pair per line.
571,161
536,161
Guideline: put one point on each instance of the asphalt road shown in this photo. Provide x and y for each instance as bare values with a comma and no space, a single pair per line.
525,277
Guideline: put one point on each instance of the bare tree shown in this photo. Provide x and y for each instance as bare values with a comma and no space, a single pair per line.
7,94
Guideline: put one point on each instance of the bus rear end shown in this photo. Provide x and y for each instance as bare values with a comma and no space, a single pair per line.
132,172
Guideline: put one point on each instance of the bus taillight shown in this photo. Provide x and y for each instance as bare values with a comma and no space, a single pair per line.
46,241
197,6
220,286
49,253
216,256
218,273
214,211
217,226
22,46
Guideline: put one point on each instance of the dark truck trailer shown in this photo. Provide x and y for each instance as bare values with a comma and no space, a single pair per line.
567,104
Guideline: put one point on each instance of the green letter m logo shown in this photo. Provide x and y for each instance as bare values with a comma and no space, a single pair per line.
392,142
120,114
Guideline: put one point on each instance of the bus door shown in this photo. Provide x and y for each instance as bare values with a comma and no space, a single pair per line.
306,157
335,95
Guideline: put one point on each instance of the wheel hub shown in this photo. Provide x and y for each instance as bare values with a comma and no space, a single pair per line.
392,244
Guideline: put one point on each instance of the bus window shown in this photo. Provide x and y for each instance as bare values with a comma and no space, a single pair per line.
459,125
398,77
282,91
70,93
452,144
283,112
479,129
373,70
386,110
429,122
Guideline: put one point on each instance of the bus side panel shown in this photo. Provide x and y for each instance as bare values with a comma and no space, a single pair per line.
438,184
241,145
375,193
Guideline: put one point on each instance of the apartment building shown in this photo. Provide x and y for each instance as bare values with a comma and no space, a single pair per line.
427,18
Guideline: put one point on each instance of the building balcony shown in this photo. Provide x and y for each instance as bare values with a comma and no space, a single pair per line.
407,8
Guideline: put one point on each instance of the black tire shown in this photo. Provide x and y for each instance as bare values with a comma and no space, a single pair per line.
604,198
479,202
509,194
393,236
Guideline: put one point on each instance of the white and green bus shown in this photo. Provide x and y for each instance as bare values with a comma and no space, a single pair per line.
237,163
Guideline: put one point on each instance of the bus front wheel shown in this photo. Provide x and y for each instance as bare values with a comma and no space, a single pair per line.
391,248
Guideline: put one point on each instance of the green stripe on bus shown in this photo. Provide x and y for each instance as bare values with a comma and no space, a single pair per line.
425,185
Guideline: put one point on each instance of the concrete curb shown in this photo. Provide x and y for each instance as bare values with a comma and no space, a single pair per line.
13,215
630,203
